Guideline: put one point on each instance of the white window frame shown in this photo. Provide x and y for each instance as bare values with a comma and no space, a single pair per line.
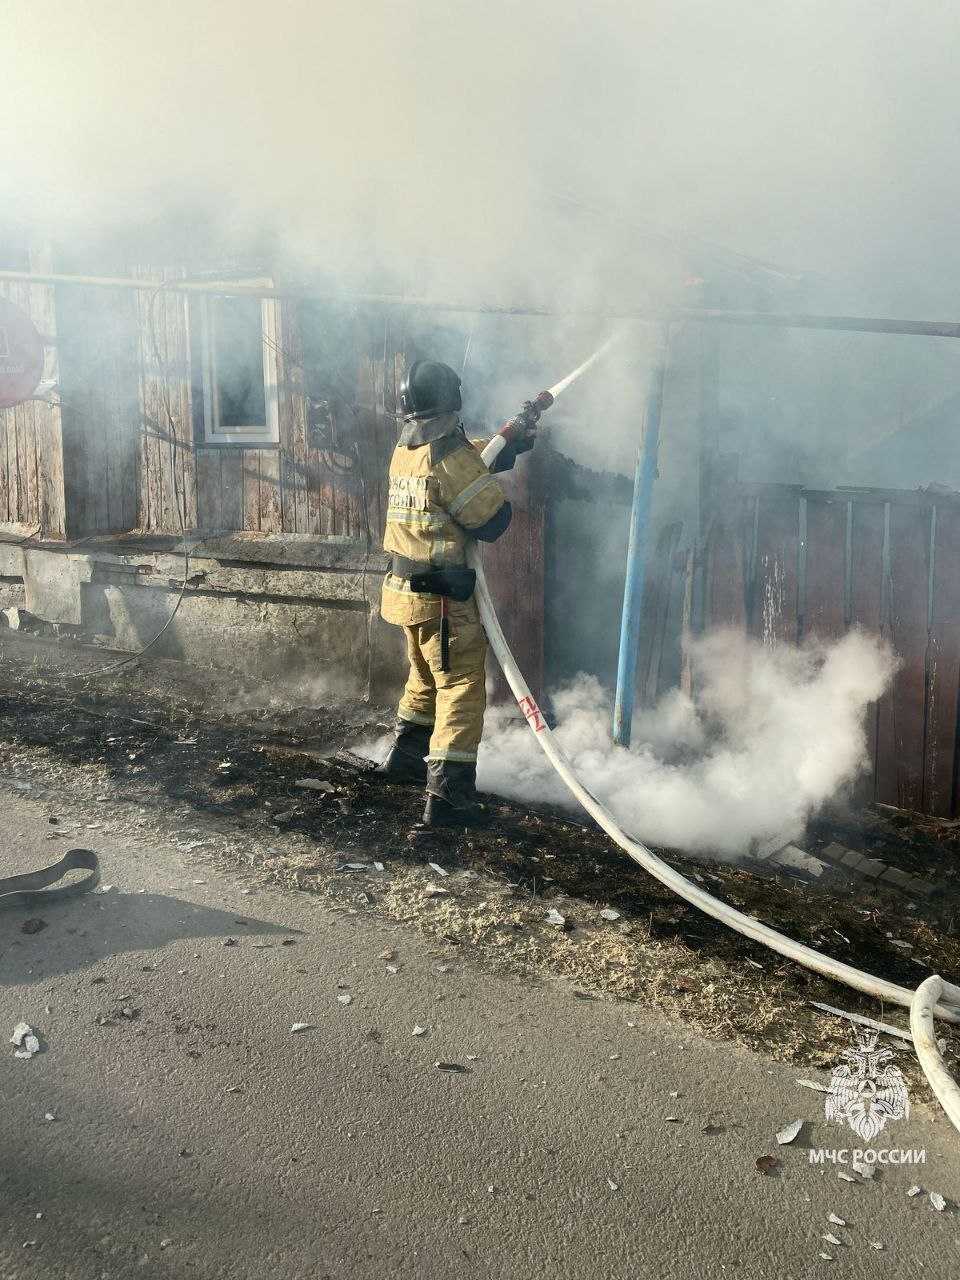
265,433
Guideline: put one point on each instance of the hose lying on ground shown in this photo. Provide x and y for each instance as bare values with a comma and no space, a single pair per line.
922,1009
826,966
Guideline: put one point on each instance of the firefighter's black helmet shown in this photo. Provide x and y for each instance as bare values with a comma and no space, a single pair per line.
429,389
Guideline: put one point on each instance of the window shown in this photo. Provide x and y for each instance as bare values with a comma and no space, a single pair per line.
238,364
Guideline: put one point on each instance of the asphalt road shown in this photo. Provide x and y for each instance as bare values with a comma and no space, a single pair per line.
201,1138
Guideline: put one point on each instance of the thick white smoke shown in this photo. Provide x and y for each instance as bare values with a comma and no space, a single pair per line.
461,145
770,735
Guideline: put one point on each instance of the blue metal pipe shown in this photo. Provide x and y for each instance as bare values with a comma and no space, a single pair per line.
645,475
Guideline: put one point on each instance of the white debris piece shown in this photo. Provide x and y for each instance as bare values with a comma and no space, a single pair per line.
914,1190
899,942
799,860
301,1026
938,1202
877,1244
378,866
25,1038
827,1257
886,1027
789,1132
614,1186
419,1031
434,891
608,913
831,1238
441,871
812,1084
865,1170
847,1177
315,784
345,999
555,918
50,1115
354,866
837,1222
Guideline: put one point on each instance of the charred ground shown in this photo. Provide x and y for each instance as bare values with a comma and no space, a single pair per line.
213,765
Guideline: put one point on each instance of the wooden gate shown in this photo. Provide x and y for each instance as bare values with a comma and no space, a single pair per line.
787,563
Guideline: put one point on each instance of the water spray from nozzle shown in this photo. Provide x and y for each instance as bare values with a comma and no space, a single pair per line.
562,385
520,428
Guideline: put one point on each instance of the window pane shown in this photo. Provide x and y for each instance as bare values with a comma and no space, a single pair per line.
237,341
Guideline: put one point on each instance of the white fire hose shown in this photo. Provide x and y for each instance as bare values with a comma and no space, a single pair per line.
944,1001
925,1003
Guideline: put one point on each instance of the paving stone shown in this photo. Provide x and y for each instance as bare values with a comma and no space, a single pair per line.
834,852
926,887
799,860
872,867
769,847
893,875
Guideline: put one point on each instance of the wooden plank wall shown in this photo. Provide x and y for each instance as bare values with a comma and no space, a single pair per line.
514,565
99,372
31,451
294,488
167,488
887,562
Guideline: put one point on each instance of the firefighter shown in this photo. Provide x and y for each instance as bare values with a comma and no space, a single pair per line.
440,496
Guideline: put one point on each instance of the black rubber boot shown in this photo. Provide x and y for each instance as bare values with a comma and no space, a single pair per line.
452,796
405,760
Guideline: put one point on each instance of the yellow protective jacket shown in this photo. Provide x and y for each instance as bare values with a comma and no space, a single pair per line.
441,494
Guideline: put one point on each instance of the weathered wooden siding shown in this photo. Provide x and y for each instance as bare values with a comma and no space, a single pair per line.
31,452
514,565
99,372
885,561
167,497
291,488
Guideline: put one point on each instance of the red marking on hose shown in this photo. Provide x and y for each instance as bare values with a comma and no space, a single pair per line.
532,713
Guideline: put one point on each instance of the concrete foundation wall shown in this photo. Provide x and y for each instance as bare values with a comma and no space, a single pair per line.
269,621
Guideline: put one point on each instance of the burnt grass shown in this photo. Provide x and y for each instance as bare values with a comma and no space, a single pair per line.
209,753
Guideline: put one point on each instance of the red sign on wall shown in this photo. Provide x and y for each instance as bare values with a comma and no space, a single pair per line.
21,355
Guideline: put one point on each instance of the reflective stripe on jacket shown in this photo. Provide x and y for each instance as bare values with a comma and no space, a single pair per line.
439,491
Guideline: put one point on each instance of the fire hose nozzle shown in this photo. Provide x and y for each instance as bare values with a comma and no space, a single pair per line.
521,424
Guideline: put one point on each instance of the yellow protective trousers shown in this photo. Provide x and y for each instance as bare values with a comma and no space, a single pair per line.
451,701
